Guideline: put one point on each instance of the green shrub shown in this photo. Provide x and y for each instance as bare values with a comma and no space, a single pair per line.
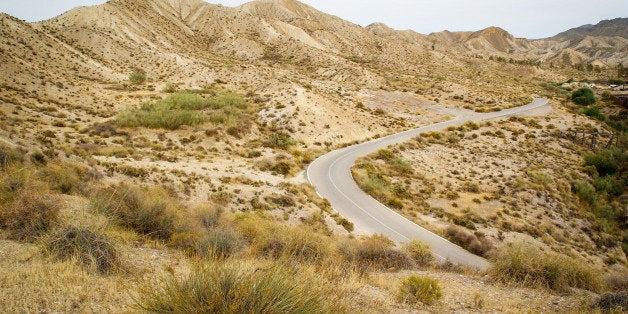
607,161
152,212
182,109
420,252
583,96
137,77
594,113
531,266
419,289
586,192
280,140
29,215
229,287
91,249
609,185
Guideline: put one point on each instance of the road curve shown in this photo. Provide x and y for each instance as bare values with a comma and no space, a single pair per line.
331,175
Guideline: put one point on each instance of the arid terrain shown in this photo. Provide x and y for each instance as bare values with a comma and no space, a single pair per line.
152,150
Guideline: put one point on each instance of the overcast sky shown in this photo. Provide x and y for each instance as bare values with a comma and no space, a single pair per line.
522,18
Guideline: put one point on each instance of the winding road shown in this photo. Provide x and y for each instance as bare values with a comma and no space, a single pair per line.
331,175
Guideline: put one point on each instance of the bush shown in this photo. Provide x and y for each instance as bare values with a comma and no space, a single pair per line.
64,177
607,161
152,212
474,243
280,140
229,287
585,192
218,242
30,215
137,77
376,252
594,113
612,302
420,252
583,96
283,242
531,266
91,249
419,289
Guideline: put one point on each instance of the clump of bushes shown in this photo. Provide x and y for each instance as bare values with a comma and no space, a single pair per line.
422,289
148,211
89,248
230,287
531,266
583,96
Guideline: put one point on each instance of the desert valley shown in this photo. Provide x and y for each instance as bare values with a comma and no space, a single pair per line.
155,156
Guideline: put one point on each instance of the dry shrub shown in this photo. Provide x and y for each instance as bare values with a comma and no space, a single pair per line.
376,252
420,252
29,215
531,266
277,241
149,211
419,289
475,243
64,177
91,249
612,302
231,287
9,156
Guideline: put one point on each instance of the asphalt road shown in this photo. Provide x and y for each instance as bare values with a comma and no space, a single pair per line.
331,176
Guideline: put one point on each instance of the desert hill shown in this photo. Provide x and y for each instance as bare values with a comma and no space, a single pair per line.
607,28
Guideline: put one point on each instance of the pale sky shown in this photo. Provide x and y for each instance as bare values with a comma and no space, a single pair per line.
522,18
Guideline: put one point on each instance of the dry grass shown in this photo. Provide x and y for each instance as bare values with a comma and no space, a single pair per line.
148,211
531,266
230,286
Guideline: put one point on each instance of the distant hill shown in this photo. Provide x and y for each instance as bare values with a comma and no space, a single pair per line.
607,28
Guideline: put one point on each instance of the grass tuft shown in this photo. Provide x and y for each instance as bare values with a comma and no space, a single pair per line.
149,211
230,287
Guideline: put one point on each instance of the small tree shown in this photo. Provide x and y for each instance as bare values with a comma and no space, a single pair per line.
583,96
137,77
